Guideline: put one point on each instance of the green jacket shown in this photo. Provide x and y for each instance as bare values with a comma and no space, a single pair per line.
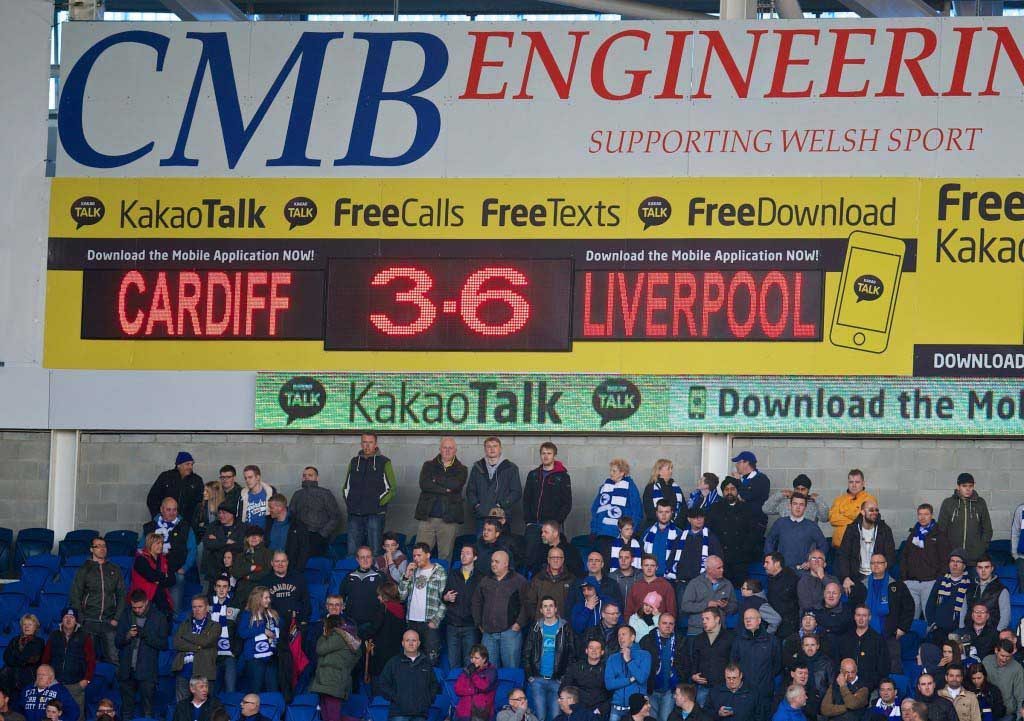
967,523
98,591
335,661
203,646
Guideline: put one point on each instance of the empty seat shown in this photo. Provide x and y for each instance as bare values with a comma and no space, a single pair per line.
121,542
12,606
32,542
50,607
6,550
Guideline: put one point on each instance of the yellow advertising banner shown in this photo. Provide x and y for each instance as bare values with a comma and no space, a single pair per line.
717,276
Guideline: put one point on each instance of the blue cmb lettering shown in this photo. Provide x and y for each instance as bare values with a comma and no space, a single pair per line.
69,112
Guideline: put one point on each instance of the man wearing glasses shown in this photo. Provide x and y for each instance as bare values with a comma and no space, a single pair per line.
516,709
251,708
232,491
98,595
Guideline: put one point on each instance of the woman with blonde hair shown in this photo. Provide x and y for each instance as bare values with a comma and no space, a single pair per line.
150,573
206,512
22,657
617,497
661,485
260,628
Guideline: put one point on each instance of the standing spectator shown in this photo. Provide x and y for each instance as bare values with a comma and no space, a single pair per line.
617,497
989,590
1007,675
408,681
754,487
731,520
989,698
69,650
286,533
499,609
359,589
834,617
224,612
782,594
891,608
384,633
924,557
98,594
151,574
759,657
734,699
337,652
946,610
255,496
551,536
753,596
462,633
626,673
392,562
1017,542
686,706
846,508
669,660
866,645
476,688
964,701
847,698
252,563
46,689
554,582
226,534
259,627
549,647
792,645
810,587
196,644
661,539
250,709
607,630
494,482
911,710
206,511
440,510
710,653
979,636
368,489
289,592
793,704
492,540
547,496
516,709
650,581
625,539
179,483
820,670
863,538
778,502
695,546
421,589
232,491
22,657
200,706
708,590
661,486
141,636
587,675
317,509
964,517
627,571
706,493
179,546
795,537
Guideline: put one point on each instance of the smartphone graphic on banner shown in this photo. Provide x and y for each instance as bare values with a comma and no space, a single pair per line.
867,292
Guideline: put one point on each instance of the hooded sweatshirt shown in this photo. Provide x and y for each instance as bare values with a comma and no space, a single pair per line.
547,495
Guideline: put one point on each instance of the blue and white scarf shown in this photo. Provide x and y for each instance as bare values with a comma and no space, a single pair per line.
696,502
164,529
672,677
657,494
673,549
197,628
617,546
920,532
613,497
892,712
703,549
219,613
263,645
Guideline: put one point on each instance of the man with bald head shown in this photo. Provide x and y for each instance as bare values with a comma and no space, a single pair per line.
708,590
179,545
440,509
251,709
34,698
847,697
759,656
500,610
408,681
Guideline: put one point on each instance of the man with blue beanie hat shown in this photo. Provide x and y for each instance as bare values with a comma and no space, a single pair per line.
180,483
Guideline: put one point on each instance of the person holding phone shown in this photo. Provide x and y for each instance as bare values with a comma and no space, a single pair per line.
733,700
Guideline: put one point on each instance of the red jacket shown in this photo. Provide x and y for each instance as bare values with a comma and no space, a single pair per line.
148,579
476,693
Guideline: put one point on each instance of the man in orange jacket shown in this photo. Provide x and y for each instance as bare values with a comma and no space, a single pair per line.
846,508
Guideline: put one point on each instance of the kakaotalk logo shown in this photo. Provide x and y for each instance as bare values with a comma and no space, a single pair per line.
302,397
654,211
616,399
87,210
299,211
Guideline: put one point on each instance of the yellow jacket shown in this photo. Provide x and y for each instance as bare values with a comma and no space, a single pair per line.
844,511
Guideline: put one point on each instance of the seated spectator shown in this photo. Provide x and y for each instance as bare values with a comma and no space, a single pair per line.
891,606
847,698
979,637
989,590
990,699
549,647
250,708
627,570
834,616
733,699
383,634
569,705
317,509
810,587
661,486
708,590
887,705
6,709
782,593
911,710
22,657
607,588
286,533
820,671
105,710
69,651
259,627
392,562
223,535
792,706
516,709
650,581
626,673
778,502
200,706
639,708
625,539
152,575
646,619
141,636
751,596
491,540
337,652
792,645
408,680
863,538
710,653
865,643
946,610
794,537
475,688
35,697
586,675
461,632
964,701
939,709
554,582
252,563
607,631
686,706
759,657
55,711
616,498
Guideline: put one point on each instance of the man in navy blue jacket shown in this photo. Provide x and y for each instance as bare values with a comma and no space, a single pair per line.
141,636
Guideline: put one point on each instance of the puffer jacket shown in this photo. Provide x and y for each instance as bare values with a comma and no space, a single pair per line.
476,690
967,523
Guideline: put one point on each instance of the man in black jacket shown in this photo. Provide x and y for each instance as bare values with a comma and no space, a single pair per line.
782,593
98,594
587,675
607,630
551,536
711,652
494,482
289,594
866,647
891,606
251,709
731,520
141,636
668,664
285,532
734,700
685,701
861,540
359,589
547,496
440,510
939,709
545,679
462,632
179,483
979,637
408,681
200,706
608,589
226,534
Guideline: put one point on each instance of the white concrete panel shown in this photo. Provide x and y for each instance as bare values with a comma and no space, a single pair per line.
24,396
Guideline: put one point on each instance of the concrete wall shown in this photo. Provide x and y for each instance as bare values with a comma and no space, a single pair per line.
116,470
901,473
24,478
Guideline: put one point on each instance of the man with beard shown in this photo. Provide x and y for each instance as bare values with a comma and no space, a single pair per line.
731,520
863,538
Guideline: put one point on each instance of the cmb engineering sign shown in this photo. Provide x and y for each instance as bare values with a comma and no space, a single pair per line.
864,97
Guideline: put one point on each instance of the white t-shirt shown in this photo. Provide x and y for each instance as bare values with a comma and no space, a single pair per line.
867,545
417,610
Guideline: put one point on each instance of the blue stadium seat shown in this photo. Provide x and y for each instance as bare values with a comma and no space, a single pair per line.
317,598
6,550
103,683
1000,552
32,542
318,569
902,683
5,638
74,561
305,699
516,675
43,560
920,627
62,580
582,543
908,646
443,564
300,713
33,578
66,549
124,562
272,698
346,564
230,699
355,706
501,694
50,607
12,606
378,709
339,546
121,542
